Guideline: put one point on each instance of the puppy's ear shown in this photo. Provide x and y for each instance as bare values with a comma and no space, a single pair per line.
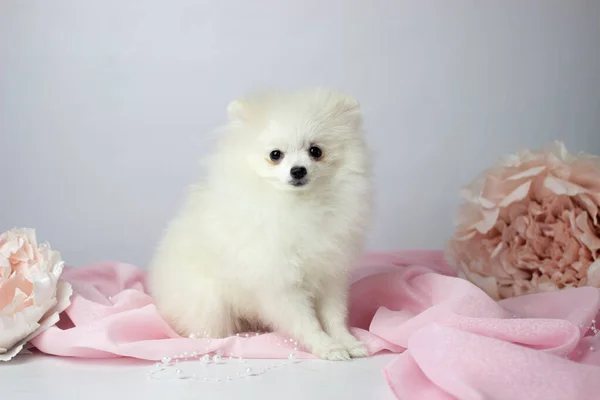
237,110
347,104
347,109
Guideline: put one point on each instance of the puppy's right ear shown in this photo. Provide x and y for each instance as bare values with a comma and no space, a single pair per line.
237,110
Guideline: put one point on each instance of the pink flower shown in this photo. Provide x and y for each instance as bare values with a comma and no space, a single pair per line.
531,224
31,295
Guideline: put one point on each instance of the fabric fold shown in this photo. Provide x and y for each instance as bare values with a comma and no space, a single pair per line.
453,341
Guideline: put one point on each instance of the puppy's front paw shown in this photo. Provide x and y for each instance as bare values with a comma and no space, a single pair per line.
358,350
355,347
333,352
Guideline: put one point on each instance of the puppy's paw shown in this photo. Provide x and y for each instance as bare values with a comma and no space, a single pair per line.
355,347
333,352
358,350
336,355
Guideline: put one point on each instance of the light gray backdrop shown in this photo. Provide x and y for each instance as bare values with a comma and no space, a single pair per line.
105,105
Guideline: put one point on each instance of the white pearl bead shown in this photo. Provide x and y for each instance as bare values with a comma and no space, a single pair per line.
292,357
248,370
205,359
217,358
166,360
192,336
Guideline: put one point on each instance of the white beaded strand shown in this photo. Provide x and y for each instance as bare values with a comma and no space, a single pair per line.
171,363
595,330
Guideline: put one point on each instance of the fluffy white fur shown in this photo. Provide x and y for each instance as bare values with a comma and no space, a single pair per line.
250,250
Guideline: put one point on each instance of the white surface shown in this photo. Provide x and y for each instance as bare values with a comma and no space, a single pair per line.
45,377
105,105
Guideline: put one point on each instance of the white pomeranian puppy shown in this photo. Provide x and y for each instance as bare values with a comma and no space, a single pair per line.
268,239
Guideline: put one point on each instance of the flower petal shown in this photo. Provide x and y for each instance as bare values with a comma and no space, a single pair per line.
588,237
534,171
488,221
559,186
516,195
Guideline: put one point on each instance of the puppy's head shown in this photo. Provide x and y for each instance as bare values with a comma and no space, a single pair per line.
297,140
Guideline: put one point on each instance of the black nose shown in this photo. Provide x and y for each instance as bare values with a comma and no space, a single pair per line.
298,172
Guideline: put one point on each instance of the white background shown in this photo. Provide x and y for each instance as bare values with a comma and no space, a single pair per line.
105,106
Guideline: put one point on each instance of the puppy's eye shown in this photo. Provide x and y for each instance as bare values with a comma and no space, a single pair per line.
315,152
275,155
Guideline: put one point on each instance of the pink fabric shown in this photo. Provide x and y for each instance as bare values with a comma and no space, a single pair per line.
453,341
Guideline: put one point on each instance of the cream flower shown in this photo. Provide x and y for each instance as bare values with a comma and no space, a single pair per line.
31,294
531,223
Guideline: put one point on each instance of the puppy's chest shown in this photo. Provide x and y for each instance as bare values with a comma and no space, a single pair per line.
299,227
292,233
